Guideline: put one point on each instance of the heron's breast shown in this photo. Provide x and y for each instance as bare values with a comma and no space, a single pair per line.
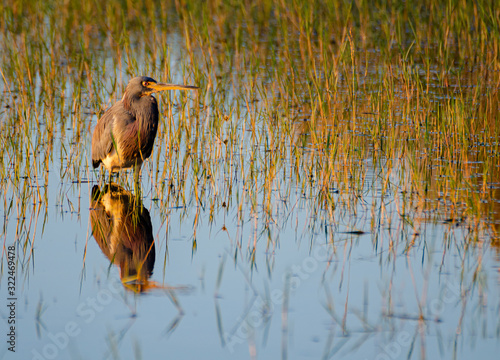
138,140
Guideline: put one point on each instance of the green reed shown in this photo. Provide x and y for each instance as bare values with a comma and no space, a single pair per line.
309,104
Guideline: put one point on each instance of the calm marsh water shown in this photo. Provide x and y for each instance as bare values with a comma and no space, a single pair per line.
248,241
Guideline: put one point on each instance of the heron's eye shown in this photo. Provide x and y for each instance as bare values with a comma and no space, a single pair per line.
145,83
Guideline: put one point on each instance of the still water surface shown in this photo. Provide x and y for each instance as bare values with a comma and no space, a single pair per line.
303,298
275,275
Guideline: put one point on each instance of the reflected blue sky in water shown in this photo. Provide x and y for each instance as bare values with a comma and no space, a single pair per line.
83,288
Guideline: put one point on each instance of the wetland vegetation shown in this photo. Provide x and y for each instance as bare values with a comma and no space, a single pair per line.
331,191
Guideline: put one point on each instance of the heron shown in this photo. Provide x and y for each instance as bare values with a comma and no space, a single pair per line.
124,136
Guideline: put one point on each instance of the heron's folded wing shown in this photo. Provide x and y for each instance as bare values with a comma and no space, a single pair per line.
104,139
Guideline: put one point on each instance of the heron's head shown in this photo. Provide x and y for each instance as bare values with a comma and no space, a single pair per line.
144,86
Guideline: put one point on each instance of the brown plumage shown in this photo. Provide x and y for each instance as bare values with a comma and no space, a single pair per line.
125,134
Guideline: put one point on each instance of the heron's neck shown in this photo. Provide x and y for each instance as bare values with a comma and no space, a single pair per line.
136,104
143,108
131,102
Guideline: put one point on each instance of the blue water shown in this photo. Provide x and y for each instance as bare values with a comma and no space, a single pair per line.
306,296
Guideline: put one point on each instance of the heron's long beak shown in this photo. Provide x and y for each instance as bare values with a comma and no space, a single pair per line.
162,87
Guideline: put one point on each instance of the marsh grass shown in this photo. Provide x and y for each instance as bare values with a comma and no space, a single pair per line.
372,117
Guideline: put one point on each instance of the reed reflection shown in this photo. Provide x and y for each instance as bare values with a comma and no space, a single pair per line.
122,228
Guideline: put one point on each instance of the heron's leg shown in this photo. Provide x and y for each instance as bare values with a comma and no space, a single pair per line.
110,179
102,178
137,187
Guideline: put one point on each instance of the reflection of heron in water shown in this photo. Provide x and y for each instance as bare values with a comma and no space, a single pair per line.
122,228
